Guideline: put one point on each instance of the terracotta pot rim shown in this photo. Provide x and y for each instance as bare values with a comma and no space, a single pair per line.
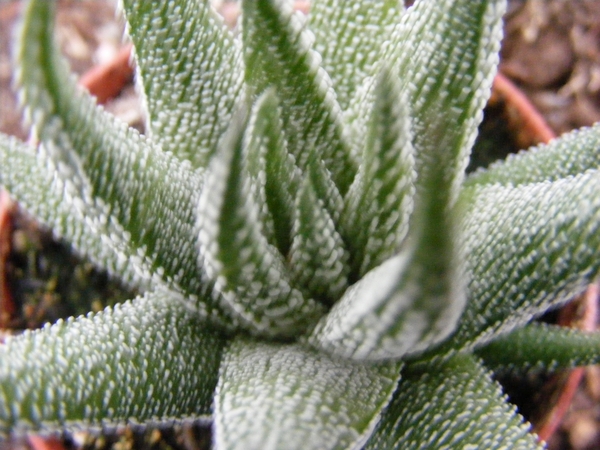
106,81
522,110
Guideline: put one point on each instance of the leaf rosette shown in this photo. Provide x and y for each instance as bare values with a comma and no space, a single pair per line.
317,269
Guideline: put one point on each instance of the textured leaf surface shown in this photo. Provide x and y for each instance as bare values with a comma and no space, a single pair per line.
349,35
529,247
286,396
318,257
250,275
273,168
56,201
151,359
386,315
380,201
542,346
192,72
442,53
277,52
413,300
455,405
446,53
571,154
147,195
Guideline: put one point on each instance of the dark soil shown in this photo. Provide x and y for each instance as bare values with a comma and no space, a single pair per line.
551,50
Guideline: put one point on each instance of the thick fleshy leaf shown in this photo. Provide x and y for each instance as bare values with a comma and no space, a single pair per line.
192,73
266,147
248,273
151,359
446,53
55,200
318,257
273,169
277,52
542,346
529,248
571,154
349,35
259,136
393,311
455,405
441,51
325,188
412,301
287,396
148,196
380,201
357,116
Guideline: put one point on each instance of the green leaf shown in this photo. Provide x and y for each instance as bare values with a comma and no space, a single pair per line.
146,195
151,359
249,274
393,311
529,247
455,405
441,51
286,396
318,258
277,52
542,346
380,201
273,170
192,73
258,137
349,36
446,53
266,149
412,301
55,200
326,190
573,153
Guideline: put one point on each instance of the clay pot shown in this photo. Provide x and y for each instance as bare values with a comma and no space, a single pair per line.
526,126
106,81
581,313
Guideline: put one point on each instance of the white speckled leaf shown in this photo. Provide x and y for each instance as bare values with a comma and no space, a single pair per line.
283,175
456,405
249,273
542,346
393,311
191,70
285,396
277,52
273,170
318,258
571,154
380,201
151,359
412,301
446,53
349,35
528,248
326,190
54,200
146,195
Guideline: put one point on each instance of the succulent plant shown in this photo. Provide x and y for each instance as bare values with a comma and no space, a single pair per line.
317,269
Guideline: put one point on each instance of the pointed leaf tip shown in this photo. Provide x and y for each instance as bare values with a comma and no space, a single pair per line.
278,54
249,275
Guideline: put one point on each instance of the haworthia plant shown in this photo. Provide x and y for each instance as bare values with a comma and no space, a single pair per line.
317,269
